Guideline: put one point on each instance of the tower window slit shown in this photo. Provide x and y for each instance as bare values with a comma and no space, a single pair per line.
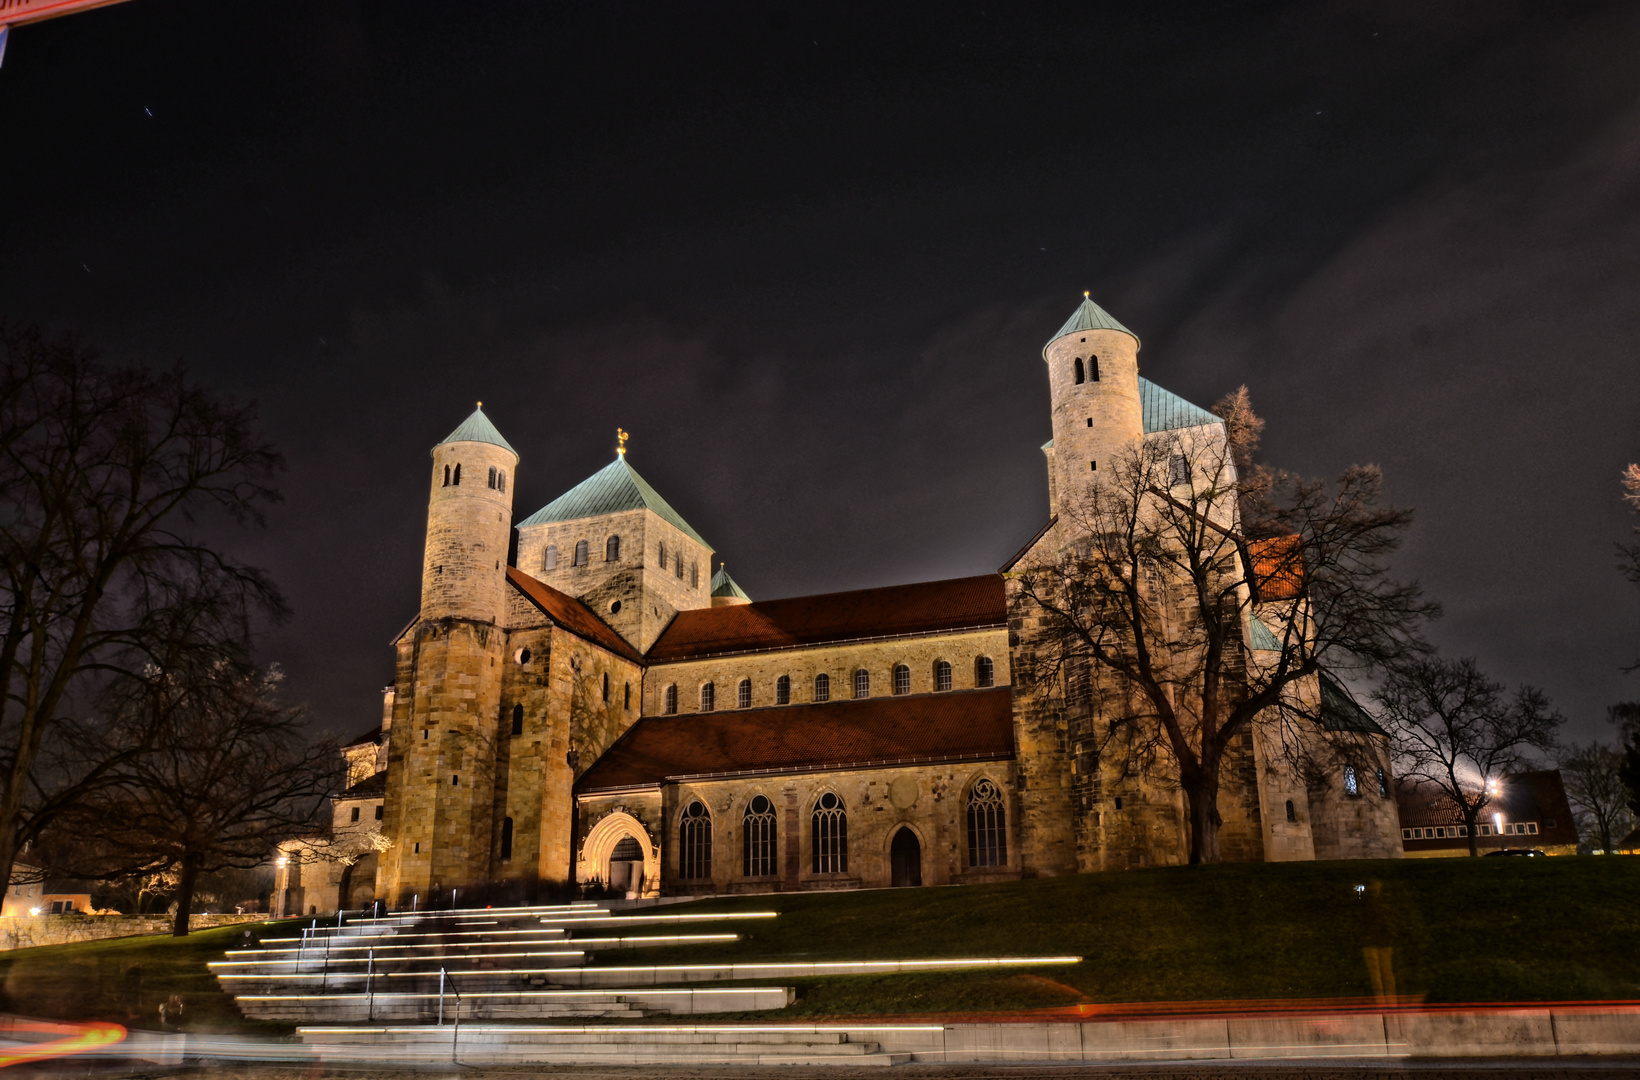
1093,369
1079,370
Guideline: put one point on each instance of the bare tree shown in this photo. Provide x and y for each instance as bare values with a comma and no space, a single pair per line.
106,478
1147,587
226,773
1594,786
1626,716
1459,731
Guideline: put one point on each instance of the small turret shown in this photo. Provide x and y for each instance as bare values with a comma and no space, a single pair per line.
469,523
725,591
1093,382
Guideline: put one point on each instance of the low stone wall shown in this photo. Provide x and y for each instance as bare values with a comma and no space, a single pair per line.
28,931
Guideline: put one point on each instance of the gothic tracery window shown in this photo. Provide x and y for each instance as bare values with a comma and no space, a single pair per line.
830,835
695,842
987,826
758,838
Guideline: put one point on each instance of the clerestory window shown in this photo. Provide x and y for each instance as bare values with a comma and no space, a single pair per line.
862,683
822,687
669,706
549,558
783,690
743,694
984,671
942,675
612,549
580,553
708,697
902,679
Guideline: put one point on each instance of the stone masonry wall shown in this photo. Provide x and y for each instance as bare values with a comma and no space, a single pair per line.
1093,422
839,662
469,529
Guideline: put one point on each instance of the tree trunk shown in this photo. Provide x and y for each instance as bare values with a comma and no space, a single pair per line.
185,895
1202,800
1473,821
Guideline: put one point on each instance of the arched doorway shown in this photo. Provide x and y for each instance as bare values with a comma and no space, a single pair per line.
625,874
905,857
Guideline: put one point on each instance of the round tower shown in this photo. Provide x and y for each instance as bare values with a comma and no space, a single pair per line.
1093,383
469,524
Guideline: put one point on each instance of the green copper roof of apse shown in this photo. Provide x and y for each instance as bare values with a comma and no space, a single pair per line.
1340,712
1088,316
724,585
612,489
477,428
1264,640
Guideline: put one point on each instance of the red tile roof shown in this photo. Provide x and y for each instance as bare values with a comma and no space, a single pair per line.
1278,567
1538,796
965,725
570,614
807,620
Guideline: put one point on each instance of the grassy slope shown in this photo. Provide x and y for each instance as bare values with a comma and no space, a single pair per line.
125,979
1465,930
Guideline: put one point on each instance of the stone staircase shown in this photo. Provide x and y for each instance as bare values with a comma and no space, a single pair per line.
430,986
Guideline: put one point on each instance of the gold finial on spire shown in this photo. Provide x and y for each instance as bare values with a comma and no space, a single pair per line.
1085,294
481,404
620,442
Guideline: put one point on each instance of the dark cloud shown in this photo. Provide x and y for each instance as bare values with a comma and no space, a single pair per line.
809,257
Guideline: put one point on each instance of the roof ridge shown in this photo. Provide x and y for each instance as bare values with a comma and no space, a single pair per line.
613,489
1088,316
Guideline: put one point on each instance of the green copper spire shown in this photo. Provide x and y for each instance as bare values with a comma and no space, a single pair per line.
477,428
1088,316
724,585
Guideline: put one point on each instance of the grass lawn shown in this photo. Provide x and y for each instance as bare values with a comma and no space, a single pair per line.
1463,930
124,980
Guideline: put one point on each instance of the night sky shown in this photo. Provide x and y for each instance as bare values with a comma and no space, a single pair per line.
809,255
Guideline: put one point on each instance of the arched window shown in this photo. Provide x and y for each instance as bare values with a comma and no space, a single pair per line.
501,479
743,694
757,838
695,842
506,838
1093,369
830,836
549,558
1079,369
984,671
612,549
580,553
783,690
456,476
1178,470
491,482
862,683
446,476
1383,784
606,686
987,826
661,549
694,575
677,566
670,708
822,687
942,675
902,679
1292,811
518,720
1352,783
708,697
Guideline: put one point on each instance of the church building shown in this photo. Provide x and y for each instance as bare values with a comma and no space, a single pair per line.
583,699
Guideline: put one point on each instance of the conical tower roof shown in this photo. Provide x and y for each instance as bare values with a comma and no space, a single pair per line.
612,489
724,585
1088,316
477,428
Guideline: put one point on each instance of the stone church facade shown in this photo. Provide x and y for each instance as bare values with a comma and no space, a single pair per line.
600,707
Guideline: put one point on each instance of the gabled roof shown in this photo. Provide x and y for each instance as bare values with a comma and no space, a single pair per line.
1340,712
1263,639
477,428
1166,411
966,725
612,489
724,585
925,607
570,614
1088,316
1163,410
1278,567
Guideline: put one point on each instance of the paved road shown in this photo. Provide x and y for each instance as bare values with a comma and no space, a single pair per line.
1581,1069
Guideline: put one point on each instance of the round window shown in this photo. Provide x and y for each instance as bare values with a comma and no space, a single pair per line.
615,608
760,805
523,656
828,801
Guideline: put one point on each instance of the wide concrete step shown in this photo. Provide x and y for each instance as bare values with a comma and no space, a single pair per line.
530,1005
